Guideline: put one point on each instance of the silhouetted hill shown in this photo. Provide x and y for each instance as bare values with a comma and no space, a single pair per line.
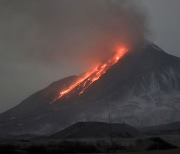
98,130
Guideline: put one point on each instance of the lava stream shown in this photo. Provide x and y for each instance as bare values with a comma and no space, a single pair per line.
88,78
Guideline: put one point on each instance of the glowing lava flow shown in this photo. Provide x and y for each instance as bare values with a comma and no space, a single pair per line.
86,79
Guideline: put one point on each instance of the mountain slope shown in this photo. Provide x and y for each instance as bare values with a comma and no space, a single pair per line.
170,128
143,88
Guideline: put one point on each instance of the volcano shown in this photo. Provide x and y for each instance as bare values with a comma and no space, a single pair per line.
140,89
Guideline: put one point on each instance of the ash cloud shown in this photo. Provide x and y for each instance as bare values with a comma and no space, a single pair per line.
52,31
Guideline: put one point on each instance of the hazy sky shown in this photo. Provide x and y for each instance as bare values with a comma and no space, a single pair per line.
34,33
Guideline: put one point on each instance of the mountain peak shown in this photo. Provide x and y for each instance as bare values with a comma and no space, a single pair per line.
138,89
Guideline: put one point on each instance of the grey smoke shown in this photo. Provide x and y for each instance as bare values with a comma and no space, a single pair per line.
50,31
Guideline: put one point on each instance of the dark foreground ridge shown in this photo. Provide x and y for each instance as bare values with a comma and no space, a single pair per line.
92,137
97,130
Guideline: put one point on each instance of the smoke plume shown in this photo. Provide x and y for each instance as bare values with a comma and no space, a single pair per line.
89,30
77,31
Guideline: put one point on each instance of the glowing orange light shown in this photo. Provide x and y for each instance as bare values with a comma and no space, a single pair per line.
88,78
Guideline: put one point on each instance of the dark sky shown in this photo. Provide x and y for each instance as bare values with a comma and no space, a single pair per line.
44,40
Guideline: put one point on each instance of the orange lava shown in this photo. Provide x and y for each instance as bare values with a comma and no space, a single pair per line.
88,78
